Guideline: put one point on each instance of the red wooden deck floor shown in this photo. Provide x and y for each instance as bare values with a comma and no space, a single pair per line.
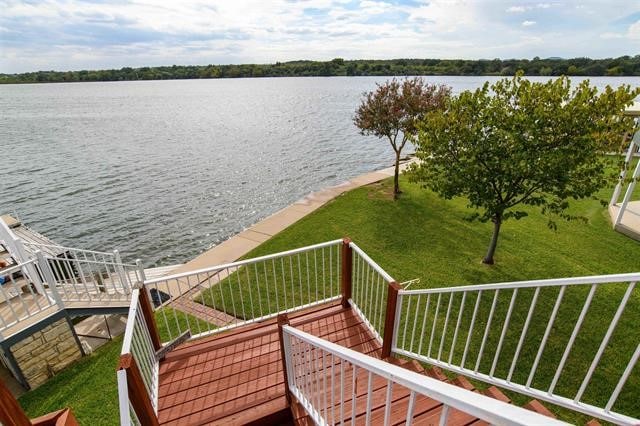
236,377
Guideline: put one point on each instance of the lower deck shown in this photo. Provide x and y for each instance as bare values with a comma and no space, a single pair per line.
630,221
237,377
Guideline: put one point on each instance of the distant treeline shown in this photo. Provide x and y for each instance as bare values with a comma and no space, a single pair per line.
622,66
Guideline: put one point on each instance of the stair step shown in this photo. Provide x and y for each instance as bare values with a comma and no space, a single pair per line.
463,383
412,365
535,405
437,373
300,416
416,366
496,393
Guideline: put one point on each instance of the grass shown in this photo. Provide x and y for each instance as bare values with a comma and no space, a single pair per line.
423,236
88,387
172,322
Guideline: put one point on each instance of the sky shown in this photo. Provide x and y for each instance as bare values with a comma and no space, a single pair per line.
96,34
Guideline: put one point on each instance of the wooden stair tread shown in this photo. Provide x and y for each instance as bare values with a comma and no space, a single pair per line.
279,408
535,405
496,393
437,373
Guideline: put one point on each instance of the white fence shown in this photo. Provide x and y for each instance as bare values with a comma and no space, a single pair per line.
20,300
324,377
137,343
77,278
473,330
247,291
369,290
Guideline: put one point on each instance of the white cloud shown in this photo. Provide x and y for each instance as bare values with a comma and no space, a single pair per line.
634,31
610,35
74,34
522,9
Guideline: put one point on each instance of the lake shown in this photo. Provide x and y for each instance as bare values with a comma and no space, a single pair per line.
163,170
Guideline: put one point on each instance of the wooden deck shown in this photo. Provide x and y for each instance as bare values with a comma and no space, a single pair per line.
630,223
236,377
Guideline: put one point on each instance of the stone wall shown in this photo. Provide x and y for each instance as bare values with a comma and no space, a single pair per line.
46,352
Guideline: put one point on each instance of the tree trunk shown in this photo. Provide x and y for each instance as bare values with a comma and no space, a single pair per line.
396,177
497,222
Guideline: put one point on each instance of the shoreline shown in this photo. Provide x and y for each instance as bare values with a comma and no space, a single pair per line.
243,242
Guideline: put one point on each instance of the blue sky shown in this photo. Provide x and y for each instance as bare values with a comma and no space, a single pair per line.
71,35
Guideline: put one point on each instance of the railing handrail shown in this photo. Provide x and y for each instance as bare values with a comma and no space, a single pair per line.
594,279
131,315
87,261
475,404
220,267
17,267
524,385
65,248
372,263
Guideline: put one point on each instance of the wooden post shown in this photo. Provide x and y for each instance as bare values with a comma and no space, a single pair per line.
389,319
62,417
283,320
137,391
347,266
11,413
149,318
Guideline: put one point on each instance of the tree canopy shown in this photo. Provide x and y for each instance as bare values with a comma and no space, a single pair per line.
394,110
621,66
519,142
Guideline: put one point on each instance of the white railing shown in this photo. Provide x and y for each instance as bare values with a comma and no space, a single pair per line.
53,250
80,280
525,336
19,299
138,343
82,275
327,379
46,283
247,291
369,291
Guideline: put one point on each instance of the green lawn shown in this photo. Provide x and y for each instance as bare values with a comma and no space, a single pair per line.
88,387
423,236
172,322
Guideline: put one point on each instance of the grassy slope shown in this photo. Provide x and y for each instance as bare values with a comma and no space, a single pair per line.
423,236
88,387
418,236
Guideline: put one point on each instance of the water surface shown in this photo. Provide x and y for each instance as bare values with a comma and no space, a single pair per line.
163,170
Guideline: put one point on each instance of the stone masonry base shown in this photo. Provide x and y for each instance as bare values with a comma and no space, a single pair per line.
46,352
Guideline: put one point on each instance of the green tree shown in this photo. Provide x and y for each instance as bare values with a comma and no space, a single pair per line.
520,143
394,110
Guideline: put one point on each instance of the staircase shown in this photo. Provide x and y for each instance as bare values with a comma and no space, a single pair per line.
326,336
427,411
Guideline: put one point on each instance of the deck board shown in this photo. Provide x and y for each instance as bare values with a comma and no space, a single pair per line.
239,374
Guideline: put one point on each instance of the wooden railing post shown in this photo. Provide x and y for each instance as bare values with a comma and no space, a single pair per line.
138,396
283,320
389,319
149,318
11,413
347,265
